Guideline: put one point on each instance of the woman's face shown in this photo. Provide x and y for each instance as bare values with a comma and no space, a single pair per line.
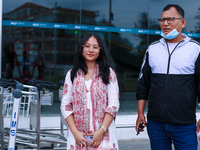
91,49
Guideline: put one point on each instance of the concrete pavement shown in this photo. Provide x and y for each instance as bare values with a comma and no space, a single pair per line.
126,136
138,144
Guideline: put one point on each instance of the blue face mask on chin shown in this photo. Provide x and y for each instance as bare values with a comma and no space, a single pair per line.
171,35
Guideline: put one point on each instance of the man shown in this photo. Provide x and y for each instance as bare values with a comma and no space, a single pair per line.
170,80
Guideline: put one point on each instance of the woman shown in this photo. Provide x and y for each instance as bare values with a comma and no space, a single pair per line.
91,99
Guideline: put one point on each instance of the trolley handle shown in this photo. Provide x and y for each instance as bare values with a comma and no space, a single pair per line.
8,80
61,82
17,93
41,86
22,86
34,82
7,84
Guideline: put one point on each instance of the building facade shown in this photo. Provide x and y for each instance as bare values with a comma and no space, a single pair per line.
40,38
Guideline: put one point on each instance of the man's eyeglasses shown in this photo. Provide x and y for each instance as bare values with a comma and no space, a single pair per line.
170,20
94,47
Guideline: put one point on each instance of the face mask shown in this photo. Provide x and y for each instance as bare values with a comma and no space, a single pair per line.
171,35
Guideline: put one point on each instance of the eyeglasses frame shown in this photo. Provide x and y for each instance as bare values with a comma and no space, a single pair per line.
92,47
160,19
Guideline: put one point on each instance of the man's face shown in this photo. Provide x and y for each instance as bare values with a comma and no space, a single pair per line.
168,27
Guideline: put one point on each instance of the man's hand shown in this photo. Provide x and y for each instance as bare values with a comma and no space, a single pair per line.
198,128
140,118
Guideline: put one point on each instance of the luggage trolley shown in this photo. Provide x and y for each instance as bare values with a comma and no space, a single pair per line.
6,87
14,105
8,98
62,119
33,137
17,93
45,98
1,122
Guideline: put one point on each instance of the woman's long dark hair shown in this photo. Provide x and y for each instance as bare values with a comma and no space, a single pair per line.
79,62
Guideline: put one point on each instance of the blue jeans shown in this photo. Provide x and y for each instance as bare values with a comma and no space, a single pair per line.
162,135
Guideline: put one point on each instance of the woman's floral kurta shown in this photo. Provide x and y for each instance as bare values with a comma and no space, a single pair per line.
89,110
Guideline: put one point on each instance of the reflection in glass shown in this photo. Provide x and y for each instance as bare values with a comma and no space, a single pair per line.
57,45
53,50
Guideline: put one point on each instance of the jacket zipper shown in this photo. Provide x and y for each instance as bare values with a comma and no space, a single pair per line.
166,88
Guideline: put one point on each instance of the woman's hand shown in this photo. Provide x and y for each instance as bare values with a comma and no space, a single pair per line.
97,138
80,140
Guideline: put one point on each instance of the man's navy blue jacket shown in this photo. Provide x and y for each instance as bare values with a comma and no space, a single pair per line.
171,81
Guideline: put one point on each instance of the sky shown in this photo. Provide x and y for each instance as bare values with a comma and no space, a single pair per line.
125,12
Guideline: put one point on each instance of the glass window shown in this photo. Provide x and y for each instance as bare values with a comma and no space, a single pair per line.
24,13
57,46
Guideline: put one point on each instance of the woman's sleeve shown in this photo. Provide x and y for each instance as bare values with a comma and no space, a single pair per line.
66,104
113,94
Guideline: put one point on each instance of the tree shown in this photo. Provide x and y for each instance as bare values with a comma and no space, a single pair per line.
145,23
197,26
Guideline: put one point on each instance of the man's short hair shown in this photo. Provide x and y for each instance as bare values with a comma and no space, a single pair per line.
178,8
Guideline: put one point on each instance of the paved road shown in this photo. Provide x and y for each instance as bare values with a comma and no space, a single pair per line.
123,145
139,144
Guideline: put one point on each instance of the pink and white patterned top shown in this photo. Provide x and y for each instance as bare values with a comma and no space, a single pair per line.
91,106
